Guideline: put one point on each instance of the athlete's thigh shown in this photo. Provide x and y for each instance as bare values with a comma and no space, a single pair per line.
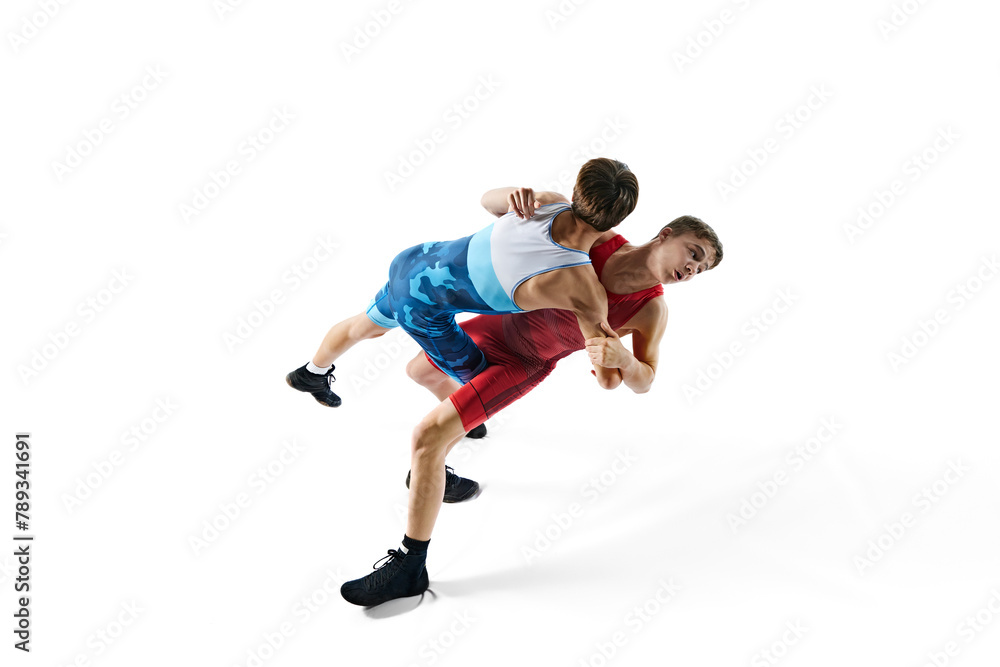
379,311
448,345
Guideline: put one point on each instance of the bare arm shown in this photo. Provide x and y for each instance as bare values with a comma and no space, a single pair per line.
591,309
575,289
589,302
521,200
635,369
607,378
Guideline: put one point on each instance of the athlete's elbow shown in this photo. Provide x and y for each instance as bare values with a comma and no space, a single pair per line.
643,388
609,383
490,205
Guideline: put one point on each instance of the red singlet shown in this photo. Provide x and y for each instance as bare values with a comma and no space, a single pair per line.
523,348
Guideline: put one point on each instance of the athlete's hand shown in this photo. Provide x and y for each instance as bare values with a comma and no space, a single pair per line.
522,202
607,351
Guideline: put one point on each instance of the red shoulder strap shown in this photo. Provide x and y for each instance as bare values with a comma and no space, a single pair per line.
599,253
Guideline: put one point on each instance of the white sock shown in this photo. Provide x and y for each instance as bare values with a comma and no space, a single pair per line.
313,368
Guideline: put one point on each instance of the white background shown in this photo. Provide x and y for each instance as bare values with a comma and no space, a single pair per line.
567,83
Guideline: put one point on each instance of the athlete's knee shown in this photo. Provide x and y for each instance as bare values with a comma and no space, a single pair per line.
420,371
428,440
414,371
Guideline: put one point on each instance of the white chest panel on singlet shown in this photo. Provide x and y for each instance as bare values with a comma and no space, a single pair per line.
521,249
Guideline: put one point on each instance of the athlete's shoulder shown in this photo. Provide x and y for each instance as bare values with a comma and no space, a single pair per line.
543,215
548,211
568,288
651,318
579,278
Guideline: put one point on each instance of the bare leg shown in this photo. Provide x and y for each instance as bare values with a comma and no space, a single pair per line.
426,375
436,434
343,336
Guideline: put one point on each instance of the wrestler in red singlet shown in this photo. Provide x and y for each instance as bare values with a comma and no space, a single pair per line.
523,348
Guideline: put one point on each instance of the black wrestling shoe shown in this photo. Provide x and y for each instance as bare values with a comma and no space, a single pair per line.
477,433
456,489
317,385
402,576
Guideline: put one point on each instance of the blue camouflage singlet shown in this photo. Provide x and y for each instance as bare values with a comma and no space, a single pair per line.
430,283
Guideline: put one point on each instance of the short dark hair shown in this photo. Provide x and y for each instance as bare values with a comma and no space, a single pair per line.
605,193
688,224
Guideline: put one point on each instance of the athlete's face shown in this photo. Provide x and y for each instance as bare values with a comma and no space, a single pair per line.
679,258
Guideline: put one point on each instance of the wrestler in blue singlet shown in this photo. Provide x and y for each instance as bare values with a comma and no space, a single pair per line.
432,282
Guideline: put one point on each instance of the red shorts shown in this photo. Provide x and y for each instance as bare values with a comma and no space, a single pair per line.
512,372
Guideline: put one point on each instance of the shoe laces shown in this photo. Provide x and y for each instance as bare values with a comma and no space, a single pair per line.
384,571
450,478
330,379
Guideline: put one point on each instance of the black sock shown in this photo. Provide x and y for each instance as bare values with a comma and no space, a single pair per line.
413,546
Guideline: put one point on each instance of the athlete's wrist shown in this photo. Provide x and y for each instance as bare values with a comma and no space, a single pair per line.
630,365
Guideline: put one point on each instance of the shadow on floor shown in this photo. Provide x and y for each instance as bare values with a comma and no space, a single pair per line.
400,606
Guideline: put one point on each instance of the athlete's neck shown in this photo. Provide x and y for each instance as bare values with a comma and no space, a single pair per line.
628,270
570,231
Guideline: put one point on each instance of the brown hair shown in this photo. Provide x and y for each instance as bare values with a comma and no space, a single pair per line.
688,224
605,193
